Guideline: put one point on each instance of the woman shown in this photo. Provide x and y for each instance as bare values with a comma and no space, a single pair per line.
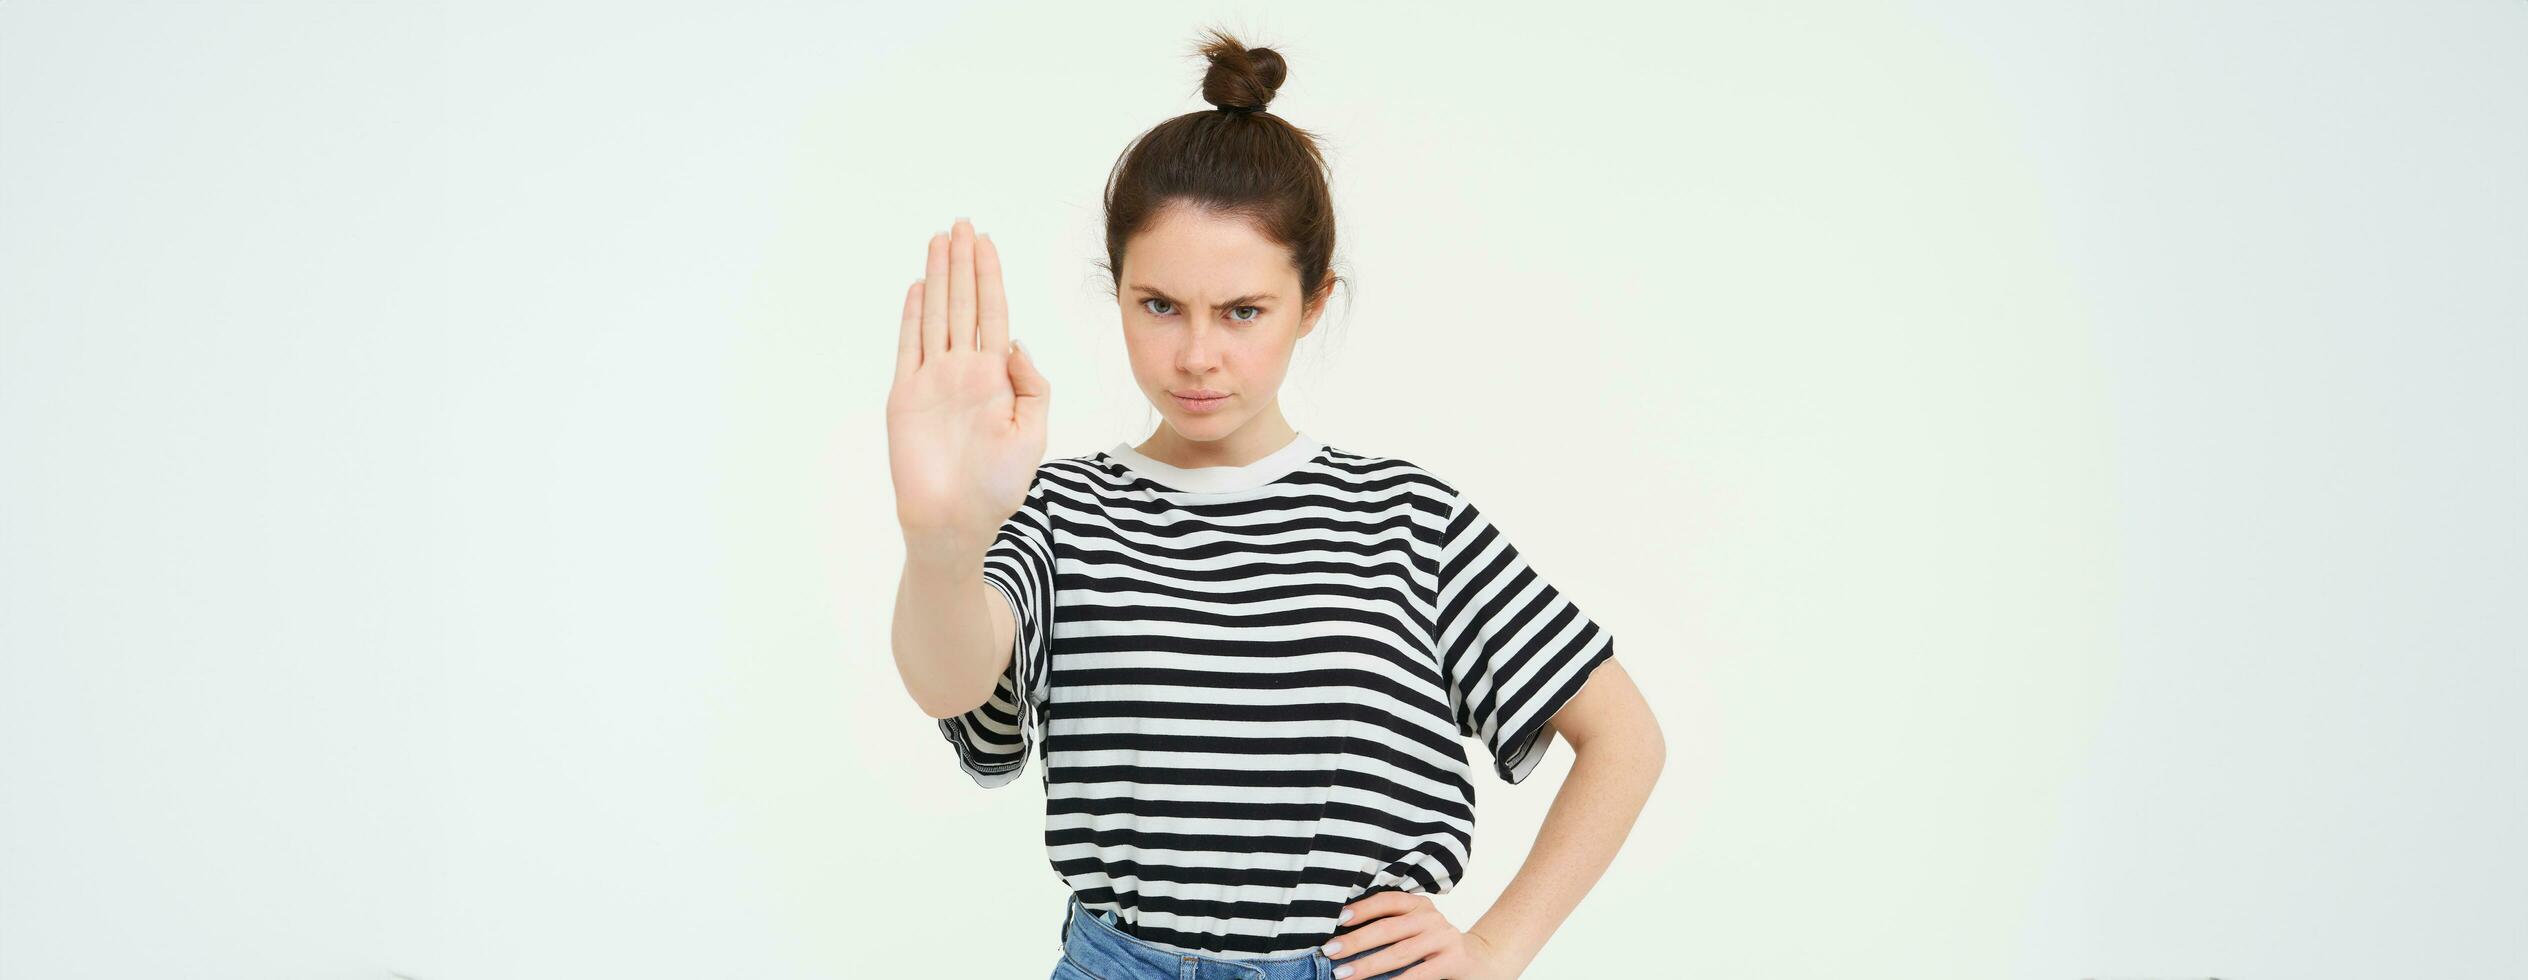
1248,656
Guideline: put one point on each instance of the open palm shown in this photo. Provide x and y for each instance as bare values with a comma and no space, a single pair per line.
966,415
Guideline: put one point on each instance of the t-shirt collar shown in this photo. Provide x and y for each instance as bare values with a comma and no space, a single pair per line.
1221,479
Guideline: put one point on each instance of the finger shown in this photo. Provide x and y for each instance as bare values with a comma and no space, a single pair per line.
1364,939
1403,953
1428,969
991,304
1372,906
961,285
935,297
1385,929
908,339
1031,393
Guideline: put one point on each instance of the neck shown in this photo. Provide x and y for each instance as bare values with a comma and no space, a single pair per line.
1256,439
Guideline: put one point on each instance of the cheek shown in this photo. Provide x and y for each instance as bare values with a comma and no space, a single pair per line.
1145,355
1259,359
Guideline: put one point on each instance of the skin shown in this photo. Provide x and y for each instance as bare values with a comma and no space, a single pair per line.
1210,304
965,430
1206,302
1618,752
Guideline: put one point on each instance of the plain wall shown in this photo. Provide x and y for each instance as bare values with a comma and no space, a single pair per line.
2056,468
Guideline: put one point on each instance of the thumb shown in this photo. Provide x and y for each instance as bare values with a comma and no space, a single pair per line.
1034,393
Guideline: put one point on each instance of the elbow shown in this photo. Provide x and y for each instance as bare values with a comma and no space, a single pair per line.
945,708
944,705
1650,747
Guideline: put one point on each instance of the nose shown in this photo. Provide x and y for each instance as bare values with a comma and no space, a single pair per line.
1201,351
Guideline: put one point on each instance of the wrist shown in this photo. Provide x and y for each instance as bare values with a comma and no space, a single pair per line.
946,547
1499,952
943,557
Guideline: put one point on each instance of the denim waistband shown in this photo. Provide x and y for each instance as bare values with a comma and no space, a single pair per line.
1095,943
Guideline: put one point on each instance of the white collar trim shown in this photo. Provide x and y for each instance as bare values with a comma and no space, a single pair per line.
1221,479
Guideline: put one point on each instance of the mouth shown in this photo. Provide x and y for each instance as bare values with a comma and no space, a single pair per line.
1200,399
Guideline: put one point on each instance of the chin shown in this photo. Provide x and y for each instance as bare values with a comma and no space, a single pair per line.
1203,428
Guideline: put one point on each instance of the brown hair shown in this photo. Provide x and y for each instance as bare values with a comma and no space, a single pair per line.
1234,159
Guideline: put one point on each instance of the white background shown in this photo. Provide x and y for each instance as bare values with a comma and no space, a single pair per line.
2057,469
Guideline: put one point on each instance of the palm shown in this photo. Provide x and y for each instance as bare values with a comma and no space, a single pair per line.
966,417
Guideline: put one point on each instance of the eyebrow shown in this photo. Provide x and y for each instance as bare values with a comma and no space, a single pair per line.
1246,300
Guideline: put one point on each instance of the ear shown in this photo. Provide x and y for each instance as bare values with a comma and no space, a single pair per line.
1316,308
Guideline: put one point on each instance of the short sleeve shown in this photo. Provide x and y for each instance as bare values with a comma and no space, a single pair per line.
992,741
1513,647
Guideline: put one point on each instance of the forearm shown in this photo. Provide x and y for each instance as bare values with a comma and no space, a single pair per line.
951,633
1591,815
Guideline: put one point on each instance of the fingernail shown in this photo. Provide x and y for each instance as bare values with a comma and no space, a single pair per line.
1333,948
1342,971
1345,917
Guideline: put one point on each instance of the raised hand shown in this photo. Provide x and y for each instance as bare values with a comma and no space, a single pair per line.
966,415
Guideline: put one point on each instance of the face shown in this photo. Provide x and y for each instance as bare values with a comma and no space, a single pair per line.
1211,312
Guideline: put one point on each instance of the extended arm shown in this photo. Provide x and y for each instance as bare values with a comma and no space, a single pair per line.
952,631
965,429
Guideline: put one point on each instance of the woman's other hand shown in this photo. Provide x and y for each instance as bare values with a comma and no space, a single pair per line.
1416,935
966,414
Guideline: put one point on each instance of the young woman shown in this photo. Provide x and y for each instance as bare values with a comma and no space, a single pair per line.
1246,657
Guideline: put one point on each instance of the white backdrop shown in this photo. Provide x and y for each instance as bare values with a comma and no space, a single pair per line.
2057,469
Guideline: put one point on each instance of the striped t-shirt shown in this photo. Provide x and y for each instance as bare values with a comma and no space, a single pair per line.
1251,684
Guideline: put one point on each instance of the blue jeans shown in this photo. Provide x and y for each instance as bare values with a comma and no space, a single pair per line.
1094,947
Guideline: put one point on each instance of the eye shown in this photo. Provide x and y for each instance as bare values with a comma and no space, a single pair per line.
1145,304
1259,312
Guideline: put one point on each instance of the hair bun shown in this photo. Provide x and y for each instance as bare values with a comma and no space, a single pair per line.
1241,79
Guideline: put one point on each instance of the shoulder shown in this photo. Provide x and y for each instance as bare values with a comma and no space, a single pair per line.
1395,477
1073,477
1074,468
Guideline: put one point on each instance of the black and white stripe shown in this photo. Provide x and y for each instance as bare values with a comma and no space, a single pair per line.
1253,682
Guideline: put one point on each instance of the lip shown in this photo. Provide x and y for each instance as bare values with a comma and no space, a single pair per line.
1200,399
